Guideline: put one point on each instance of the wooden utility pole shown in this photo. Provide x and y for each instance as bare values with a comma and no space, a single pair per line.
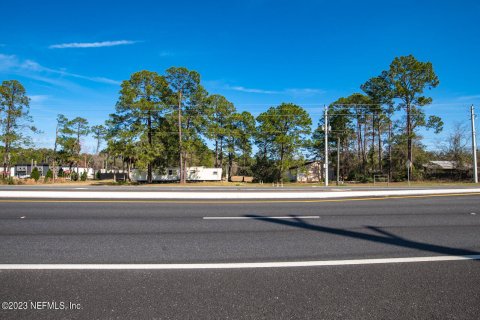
55,153
390,150
338,161
326,146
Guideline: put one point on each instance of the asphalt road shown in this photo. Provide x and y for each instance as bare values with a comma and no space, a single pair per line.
106,232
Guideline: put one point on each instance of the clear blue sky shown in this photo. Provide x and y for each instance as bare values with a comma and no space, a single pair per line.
71,57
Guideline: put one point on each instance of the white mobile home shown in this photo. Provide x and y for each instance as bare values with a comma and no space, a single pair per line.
173,174
11,173
90,172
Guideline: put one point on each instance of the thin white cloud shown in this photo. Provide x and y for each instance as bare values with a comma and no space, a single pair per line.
304,91
92,44
297,92
7,62
33,70
38,98
251,90
471,97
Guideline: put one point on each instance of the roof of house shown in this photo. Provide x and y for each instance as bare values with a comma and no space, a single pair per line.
306,163
445,165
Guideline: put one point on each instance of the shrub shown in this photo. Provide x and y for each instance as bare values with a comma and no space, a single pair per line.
74,176
97,175
49,175
83,176
61,174
35,175
6,180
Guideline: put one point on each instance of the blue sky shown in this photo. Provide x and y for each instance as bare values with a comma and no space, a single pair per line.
71,56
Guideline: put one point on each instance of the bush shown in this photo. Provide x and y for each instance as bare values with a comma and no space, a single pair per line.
7,180
97,175
83,176
61,173
35,175
74,176
49,175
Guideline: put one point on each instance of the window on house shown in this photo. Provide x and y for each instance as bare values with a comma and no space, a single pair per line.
215,173
170,172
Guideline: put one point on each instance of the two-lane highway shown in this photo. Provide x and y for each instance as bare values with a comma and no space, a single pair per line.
126,236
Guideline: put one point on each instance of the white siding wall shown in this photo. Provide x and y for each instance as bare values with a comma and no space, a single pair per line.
12,171
90,171
172,174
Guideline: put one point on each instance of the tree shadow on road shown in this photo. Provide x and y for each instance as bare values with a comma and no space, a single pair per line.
384,237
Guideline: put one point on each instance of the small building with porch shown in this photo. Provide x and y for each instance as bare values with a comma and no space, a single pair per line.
445,169
25,170
309,172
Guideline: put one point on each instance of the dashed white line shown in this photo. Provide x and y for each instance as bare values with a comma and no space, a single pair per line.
260,217
247,265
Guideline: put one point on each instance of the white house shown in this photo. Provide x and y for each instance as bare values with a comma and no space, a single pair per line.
81,170
310,171
12,171
173,174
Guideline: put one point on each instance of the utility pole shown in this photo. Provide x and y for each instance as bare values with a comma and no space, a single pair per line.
338,161
326,146
474,146
55,153
390,150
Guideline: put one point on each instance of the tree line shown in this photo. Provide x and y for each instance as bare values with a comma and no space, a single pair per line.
169,120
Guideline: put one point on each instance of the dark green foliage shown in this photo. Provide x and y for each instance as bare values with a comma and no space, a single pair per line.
97,175
49,175
61,173
15,120
10,181
7,180
99,133
83,176
408,79
282,134
265,170
170,120
140,110
35,175
187,97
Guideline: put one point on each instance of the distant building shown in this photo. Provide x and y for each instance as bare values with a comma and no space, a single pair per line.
173,174
446,169
80,170
310,171
25,170
446,165
11,173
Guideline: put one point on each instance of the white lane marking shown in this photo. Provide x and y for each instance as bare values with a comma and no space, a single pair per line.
247,265
81,188
224,195
473,213
260,217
